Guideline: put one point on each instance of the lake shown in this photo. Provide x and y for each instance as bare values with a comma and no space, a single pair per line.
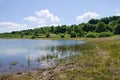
25,55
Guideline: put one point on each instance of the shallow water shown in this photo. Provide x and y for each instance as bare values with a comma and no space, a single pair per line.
24,55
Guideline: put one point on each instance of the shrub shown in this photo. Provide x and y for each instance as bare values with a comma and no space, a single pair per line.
48,35
33,37
101,27
105,34
88,27
117,29
62,36
73,34
91,35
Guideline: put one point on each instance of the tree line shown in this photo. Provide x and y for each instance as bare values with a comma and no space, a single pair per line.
104,27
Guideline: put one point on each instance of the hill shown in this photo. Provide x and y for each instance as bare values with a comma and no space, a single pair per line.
103,27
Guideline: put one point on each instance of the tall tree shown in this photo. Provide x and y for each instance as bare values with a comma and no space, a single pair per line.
88,27
105,20
117,29
93,21
101,27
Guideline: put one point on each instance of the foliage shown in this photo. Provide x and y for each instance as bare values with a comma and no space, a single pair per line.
93,21
91,35
108,25
118,21
88,27
73,34
105,20
47,35
117,29
62,36
105,34
101,27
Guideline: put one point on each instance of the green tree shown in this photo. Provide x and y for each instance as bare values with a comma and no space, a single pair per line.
91,35
105,20
105,34
118,21
112,23
88,27
101,27
73,34
63,29
52,29
93,21
117,29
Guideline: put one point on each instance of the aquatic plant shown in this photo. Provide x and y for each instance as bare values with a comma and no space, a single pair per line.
14,63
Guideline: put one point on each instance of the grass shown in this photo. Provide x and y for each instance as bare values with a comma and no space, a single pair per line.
100,60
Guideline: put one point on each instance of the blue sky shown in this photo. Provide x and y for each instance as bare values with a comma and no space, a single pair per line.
24,14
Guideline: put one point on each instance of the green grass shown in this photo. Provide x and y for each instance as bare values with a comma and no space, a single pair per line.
100,61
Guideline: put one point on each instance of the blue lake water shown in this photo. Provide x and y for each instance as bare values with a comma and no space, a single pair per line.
24,54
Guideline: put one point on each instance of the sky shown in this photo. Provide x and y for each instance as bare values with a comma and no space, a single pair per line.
18,15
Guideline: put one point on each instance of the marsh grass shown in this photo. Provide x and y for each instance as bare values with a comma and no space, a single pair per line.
46,57
100,60
14,63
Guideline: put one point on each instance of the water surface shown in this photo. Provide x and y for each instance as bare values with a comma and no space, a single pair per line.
24,55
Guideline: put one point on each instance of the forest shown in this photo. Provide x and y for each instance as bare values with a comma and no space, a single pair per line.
104,27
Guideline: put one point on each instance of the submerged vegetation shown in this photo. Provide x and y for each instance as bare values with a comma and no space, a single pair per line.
99,60
103,27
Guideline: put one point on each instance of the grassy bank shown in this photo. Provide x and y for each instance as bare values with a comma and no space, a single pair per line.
100,60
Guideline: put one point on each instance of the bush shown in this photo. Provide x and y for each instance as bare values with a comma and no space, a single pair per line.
117,29
105,34
91,35
33,37
62,36
48,35
73,34
101,27
88,27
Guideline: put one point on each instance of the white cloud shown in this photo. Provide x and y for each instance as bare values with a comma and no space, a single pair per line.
43,17
10,26
48,25
31,19
47,16
87,16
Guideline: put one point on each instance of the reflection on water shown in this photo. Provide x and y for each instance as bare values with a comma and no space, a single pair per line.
25,55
